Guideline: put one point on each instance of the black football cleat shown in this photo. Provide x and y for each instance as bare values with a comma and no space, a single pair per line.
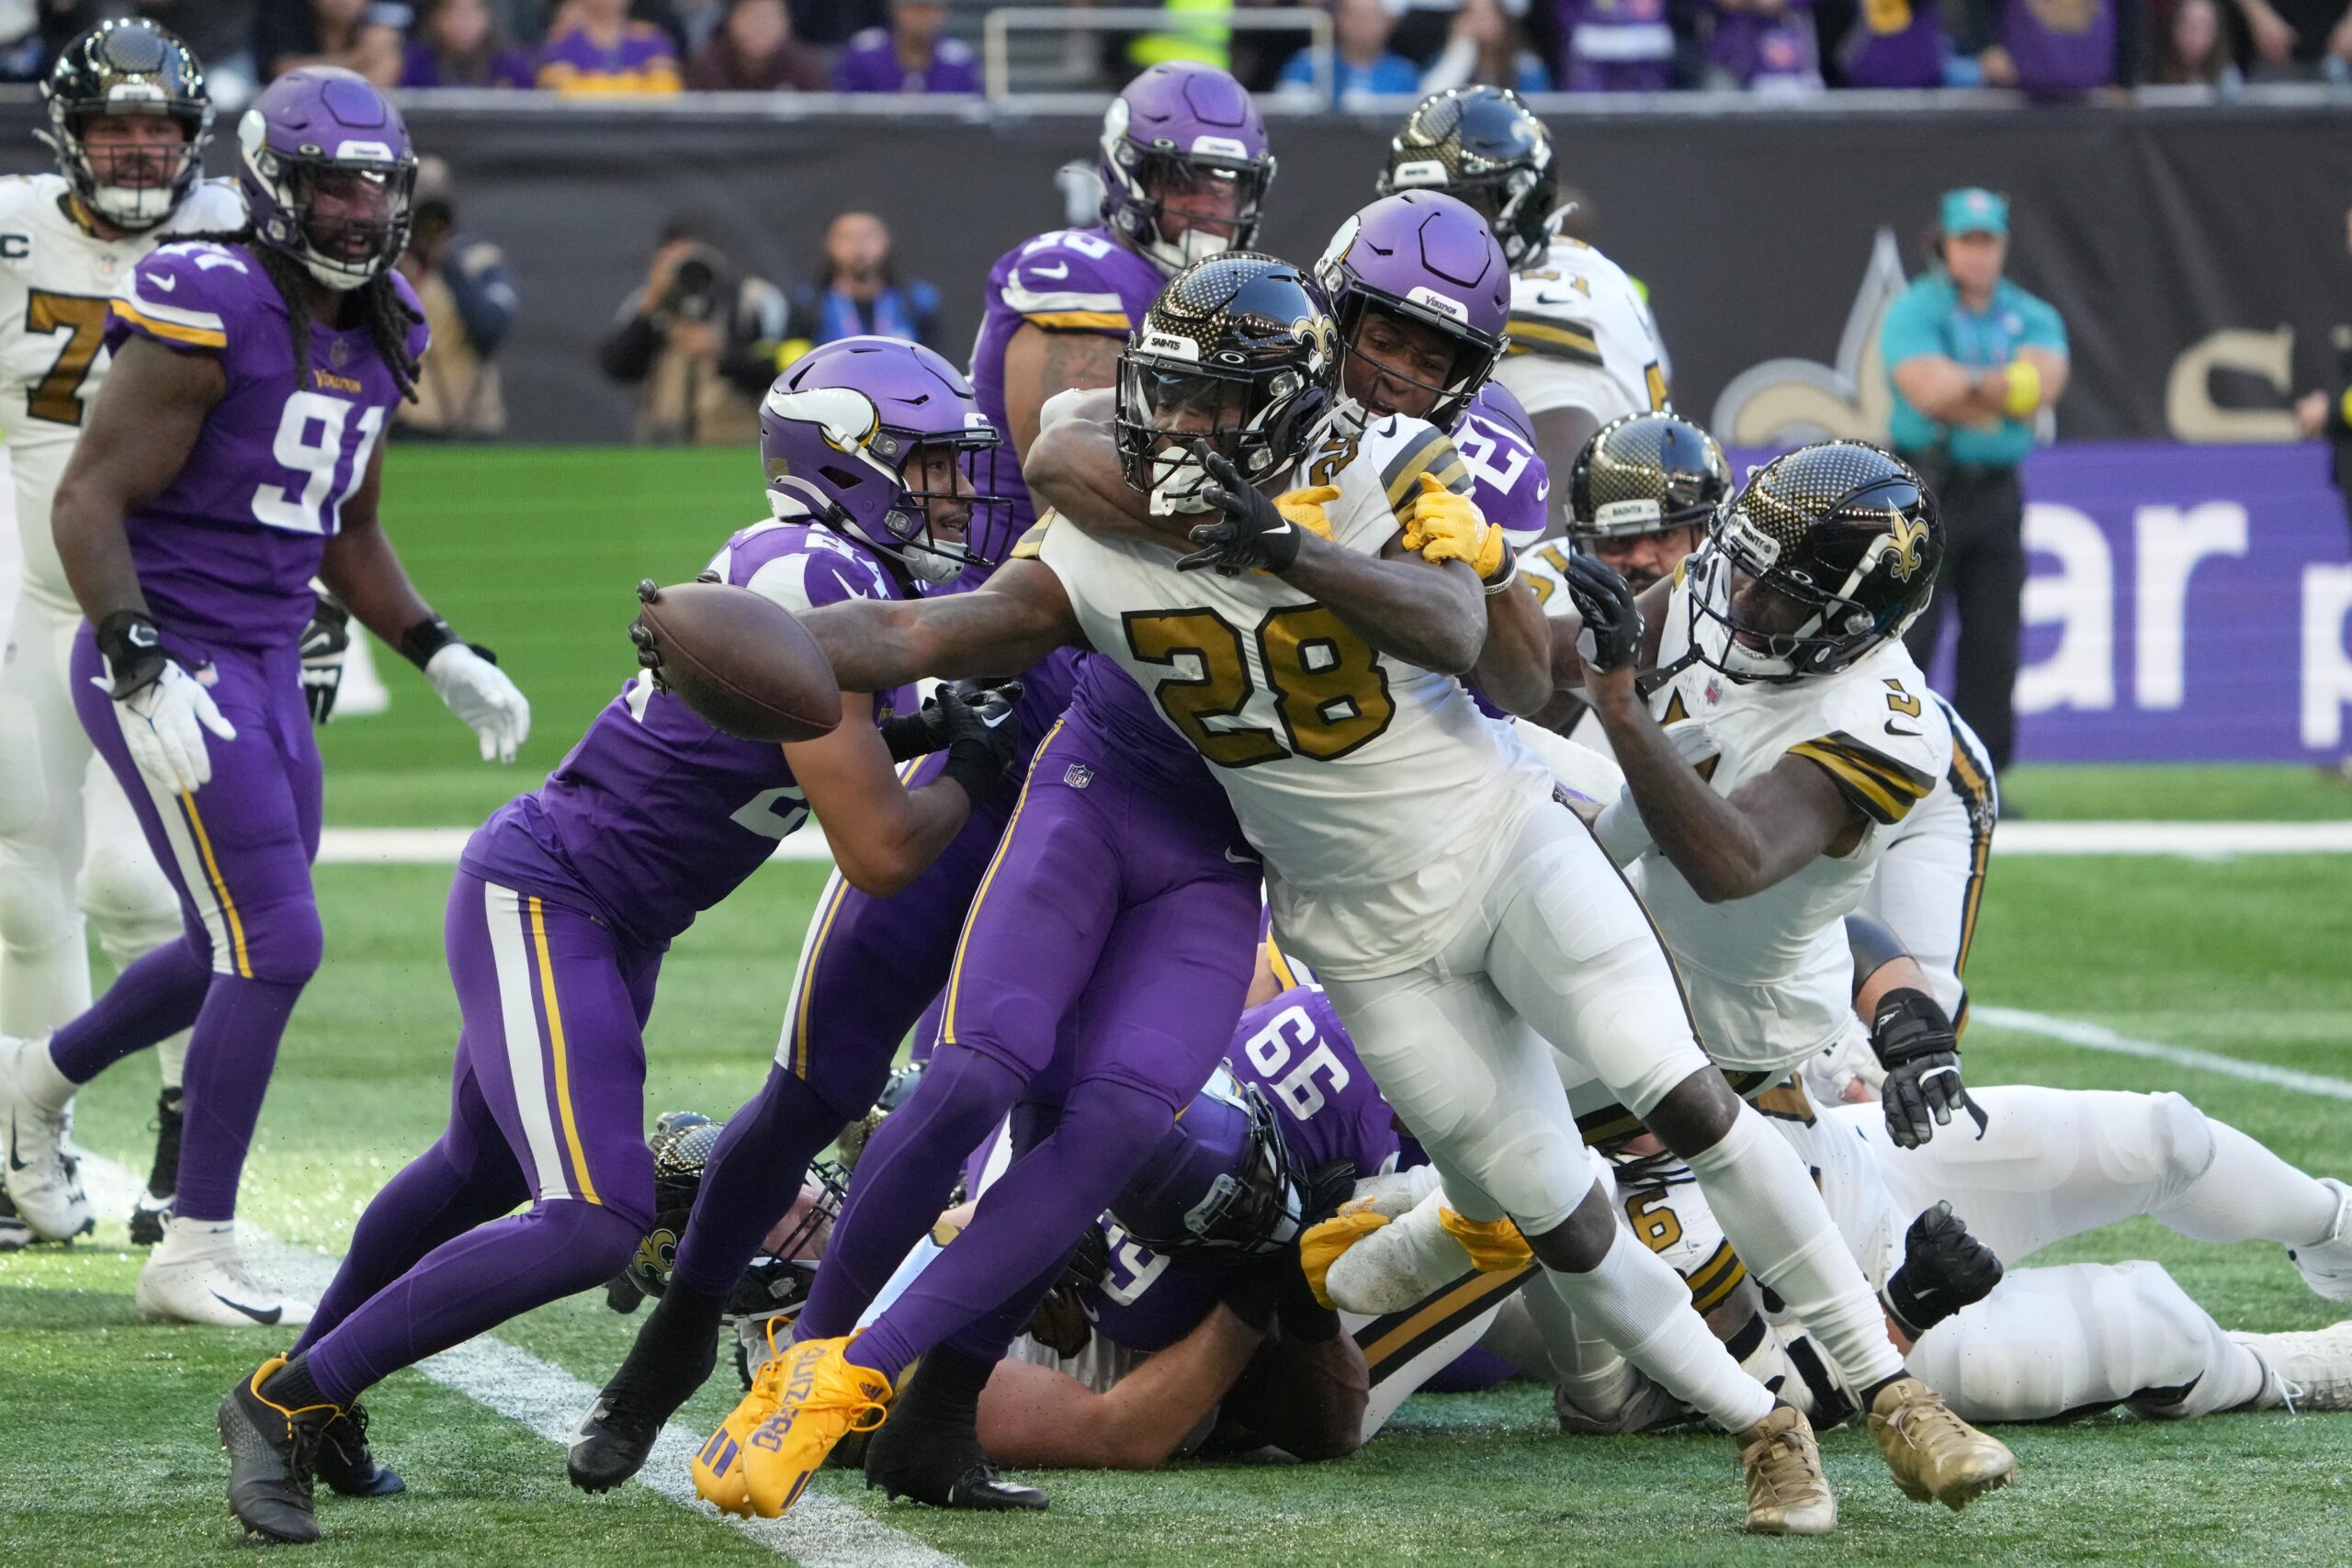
155,1207
345,1463
943,1465
671,1358
273,1453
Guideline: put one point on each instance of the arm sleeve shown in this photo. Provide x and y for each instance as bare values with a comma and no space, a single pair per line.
2043,326
1908,332
1881,786
170,300
1062,288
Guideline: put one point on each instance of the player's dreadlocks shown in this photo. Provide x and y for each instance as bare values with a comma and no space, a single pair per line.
388,316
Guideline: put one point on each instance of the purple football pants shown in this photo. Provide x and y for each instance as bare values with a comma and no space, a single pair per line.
547,1104
238,853
1095,987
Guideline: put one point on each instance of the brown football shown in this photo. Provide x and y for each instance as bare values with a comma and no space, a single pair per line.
740,661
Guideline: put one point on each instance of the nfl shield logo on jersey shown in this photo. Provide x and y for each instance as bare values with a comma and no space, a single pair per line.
1078,775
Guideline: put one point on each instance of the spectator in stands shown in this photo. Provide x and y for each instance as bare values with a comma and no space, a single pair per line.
593,47
457,44
826,25
2192,50
755,52
1483,45
1973,360
358,35
1895,43
2299,38
2058,47
1362,66
468,303
911,55
858,292
699,339
1764,46
1615,45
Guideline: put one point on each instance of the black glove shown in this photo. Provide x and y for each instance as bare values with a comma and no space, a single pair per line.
977,729
326,641
1250,534
1612,639
134,652
1944,1269
621,1293
648,657
1914,1044
1328,1185
920,733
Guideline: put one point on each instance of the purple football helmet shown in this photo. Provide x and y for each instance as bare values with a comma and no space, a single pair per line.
1184,142
1430,259
328,171
839,435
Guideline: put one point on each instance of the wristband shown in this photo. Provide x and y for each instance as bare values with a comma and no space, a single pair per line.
423,640
973,766
2024,388
133,650
909,735
1509,573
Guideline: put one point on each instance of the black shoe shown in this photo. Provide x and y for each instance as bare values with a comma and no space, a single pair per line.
941,1464
673,1355
345,1463
155,1208
272,1452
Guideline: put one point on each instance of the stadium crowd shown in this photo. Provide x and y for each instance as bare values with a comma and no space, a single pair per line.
1380,48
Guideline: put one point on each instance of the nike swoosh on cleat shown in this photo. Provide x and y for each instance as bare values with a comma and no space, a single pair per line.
259,1315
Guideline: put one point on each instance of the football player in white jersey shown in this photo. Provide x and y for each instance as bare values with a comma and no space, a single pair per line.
1584,348
1415,852
128,118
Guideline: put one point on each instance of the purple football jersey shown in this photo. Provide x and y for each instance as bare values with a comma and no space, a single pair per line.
1508,481
1893,44
1072,280
870,63
226,553
2060,46
655,816
1295,1048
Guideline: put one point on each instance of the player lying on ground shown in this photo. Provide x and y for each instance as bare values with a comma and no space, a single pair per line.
231,457
566,899
1358,880
1185,169
129,119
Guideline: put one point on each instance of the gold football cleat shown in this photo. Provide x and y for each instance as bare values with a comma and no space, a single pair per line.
823,1398
1935,1455
1787,1494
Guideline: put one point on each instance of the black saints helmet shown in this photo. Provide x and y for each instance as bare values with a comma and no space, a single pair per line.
1240,354
1643,473
125,68
1825,553
778,1278
1484,147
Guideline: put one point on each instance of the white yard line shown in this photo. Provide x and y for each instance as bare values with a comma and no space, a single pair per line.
821,1531
2193,841
2099,1037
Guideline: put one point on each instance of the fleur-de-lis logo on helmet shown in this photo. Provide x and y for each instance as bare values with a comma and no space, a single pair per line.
1906,539
1319,333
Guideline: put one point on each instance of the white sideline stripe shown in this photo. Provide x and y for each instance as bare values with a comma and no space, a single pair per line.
821,1531
2099,1037
2195,841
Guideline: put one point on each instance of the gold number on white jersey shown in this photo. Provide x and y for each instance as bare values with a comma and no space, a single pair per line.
1329,690
57,397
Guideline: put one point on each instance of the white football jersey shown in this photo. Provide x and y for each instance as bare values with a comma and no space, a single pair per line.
58,281
1770,977
1582,336
1382,800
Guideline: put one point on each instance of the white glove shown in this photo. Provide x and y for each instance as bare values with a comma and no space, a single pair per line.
164,724
479,692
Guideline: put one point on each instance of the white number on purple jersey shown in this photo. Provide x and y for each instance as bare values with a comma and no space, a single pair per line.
315,456
1133,1269
1479,451
1270,1049
759,815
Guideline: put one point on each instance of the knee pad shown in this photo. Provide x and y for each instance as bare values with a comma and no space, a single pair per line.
284,942
2184,1140
128,899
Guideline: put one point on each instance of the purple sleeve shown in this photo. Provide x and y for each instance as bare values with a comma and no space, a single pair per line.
420,336
180,296
863,69
953,69
801,568
1509,481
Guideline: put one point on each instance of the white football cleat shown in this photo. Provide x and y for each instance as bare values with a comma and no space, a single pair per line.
2311,1371
195,1276
42,1178
2327,1264
1398,1266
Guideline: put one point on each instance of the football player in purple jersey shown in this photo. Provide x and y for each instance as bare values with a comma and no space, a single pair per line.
231,456
566,899
1184,168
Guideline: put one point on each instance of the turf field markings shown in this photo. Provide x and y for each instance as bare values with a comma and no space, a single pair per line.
2099,1037
2192,841
821,1531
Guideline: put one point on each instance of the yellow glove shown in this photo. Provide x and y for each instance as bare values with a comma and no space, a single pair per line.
1495,1245
1304,507
1322,1244
1446,526
2022,392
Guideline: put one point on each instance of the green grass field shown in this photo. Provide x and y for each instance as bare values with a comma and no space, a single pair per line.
106,1445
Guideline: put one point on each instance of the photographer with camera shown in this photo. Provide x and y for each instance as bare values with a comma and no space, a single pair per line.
699,339
469,302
